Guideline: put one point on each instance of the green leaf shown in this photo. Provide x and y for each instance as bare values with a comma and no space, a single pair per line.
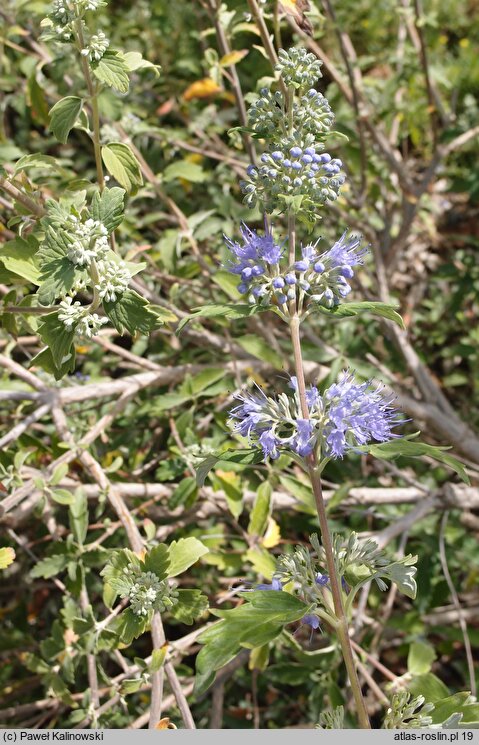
429,686
279,603
185,493
79,517
158,561
59,339
300,491
191,604
131,685
129,626
112,70
199,383
58,273
259,348
134,61
402,574
36,100
459,703
50,567
63,116
404,447
346,310
62,496
109,595
261,510
58,474
262,561
219,310
241,457
44,359
420,658
231,485
20,256
108,207
184,553
35,160
228,283
258,621
130,312
184,169
338,496
122,164
158,658
114,574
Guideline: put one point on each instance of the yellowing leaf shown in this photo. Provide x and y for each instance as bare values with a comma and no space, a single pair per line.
7,557
201,89
272,536
165,723
232,58
194,158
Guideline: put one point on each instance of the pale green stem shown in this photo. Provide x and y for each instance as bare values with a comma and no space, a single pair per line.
29,310
314,475
93,94
95,278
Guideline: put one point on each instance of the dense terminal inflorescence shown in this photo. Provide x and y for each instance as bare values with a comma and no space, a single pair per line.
65,15
303,575
298,67
84,243
146,592
290,172
74,315
294,173
346,416
86,240
319,276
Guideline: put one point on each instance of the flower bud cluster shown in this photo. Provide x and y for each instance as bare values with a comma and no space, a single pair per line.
298,67
70,312
345,416
114,279
295,174
97,47
302,570
61,12
322,277
65,12
87,240
291,171
312,113
407,712
148,593
73,314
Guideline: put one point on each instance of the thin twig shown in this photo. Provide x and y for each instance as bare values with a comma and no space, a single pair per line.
457,603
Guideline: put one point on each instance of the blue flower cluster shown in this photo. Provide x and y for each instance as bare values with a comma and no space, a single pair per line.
358,413
254,259
321,276
346,416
